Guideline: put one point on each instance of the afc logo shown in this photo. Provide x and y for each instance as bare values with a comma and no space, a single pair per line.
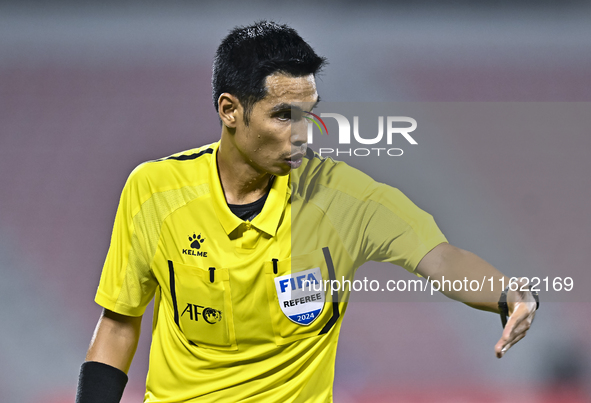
210,315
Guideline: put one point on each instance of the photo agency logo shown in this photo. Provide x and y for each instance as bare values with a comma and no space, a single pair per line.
361,145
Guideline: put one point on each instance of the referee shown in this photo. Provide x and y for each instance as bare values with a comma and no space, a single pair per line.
226,236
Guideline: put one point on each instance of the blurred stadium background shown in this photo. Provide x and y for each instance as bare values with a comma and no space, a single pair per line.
88,90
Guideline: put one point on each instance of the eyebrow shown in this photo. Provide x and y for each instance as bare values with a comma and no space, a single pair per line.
285,106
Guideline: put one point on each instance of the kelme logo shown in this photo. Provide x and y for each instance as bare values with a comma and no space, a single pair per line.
196,242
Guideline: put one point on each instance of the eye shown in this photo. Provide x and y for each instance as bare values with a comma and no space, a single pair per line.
284,115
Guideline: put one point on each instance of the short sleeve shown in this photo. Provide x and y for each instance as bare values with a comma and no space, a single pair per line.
395,230
127,283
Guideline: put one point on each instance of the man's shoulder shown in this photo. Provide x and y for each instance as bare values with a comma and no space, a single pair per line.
184,162
185,168
191,154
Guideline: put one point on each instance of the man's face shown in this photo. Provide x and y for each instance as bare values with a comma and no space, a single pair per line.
275,139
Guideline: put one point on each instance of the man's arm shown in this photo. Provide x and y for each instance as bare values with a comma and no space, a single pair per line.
115,340
453,263
104,374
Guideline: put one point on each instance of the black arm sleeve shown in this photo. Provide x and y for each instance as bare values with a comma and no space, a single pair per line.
100,383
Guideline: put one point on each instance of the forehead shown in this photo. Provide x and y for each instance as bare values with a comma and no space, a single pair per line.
282,88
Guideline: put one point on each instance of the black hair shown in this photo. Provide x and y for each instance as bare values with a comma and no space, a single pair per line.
248,55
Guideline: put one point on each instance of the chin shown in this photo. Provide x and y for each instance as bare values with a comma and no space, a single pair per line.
281,169
281,172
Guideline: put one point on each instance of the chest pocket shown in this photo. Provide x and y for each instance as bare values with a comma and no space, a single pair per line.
301,301
202,305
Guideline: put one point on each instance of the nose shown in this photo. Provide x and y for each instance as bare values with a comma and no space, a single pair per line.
299,133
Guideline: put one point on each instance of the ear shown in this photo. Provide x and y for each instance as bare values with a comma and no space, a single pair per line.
229,109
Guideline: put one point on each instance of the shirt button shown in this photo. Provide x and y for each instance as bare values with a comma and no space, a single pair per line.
248,225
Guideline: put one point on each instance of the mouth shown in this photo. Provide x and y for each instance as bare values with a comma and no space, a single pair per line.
295,160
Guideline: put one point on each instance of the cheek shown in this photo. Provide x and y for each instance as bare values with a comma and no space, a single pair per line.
274,137
266,140
299,130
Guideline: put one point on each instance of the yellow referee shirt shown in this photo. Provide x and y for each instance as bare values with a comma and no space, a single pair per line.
234,320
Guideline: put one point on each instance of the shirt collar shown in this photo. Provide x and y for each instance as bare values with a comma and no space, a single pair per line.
267,220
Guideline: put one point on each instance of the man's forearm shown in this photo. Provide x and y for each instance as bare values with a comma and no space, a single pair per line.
104,374
115,340
451,263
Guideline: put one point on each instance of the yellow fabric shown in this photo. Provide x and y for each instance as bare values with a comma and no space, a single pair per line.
219,332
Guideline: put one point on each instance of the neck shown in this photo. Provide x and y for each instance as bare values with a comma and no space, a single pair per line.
241,182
